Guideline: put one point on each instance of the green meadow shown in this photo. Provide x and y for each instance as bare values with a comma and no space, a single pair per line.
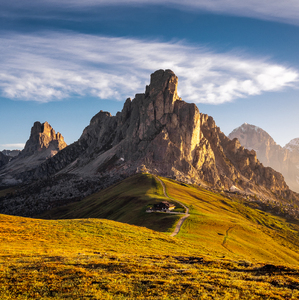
107,247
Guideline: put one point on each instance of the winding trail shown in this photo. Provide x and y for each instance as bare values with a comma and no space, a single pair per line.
225,238
185,215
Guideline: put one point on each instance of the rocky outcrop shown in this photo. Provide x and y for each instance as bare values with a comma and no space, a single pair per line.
269,153
43,139
42,144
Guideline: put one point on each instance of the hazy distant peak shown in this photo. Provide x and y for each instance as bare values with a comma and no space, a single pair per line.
293,145
245,127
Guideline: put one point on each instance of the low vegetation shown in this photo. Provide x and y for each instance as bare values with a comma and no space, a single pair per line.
102,259
124,202
225,250
230,227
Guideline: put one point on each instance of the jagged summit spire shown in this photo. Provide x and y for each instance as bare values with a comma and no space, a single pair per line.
163,80
42,137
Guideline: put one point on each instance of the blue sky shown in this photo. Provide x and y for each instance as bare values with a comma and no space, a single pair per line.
64,62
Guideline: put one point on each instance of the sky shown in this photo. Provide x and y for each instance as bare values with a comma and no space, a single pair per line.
64,61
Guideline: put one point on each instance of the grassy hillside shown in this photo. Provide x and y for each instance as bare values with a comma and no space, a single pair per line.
103,259
124,202
228,226
225,249
222,226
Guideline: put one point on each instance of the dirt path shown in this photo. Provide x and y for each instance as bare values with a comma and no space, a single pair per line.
185,215
225,238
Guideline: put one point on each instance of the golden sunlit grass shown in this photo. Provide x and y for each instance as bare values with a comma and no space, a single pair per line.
229,227
102,259
224,250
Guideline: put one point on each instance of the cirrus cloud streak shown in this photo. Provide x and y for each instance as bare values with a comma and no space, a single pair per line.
276,10
52,66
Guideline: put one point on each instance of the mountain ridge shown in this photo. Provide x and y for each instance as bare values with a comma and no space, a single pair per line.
282,159
159,133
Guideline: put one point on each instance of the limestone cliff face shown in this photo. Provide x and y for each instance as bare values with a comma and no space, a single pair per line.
43,139
269,153
158,132
42,144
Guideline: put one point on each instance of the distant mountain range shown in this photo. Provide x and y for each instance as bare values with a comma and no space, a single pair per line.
11,153
7,155
156,132
283,159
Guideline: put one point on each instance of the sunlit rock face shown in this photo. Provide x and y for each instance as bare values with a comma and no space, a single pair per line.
43,139
42,144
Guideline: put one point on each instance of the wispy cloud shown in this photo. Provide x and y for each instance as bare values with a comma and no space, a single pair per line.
277,10
53,66
283,11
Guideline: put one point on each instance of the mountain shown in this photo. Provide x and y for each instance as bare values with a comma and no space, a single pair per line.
268,152
43,140
11,153
42,144
156,132
293,146
283,160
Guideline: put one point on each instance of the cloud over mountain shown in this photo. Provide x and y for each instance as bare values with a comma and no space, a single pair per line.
50,66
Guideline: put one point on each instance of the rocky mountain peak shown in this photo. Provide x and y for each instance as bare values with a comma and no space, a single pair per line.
253,137
159,133
43,137
163,82
284,160
42,145
293,146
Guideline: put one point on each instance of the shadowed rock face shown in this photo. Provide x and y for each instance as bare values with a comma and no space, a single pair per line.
158,132
3,159
11,153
